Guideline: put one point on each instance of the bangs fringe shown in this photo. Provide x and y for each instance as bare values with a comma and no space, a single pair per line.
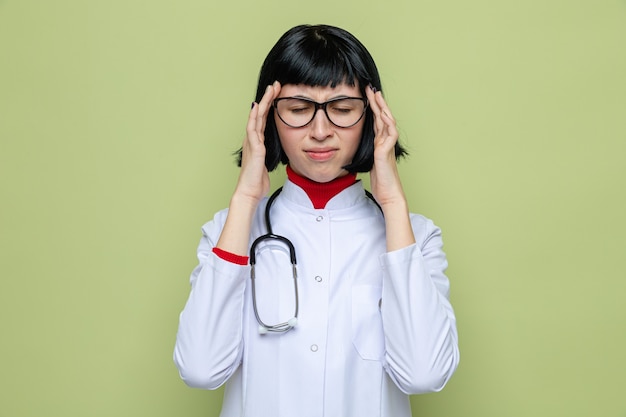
317,64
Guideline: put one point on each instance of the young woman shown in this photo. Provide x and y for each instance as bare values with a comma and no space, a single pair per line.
362,318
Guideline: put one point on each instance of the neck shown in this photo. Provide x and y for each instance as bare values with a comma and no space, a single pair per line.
320,193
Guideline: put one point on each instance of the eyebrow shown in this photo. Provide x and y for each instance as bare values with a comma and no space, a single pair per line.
330,99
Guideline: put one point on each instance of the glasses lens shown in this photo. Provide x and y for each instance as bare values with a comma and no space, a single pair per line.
343,112
295,112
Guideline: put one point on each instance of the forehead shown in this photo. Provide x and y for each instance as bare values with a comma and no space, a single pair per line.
319,93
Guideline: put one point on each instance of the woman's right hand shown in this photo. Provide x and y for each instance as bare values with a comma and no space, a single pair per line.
254,181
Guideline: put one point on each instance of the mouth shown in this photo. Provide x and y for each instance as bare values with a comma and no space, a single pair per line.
321,154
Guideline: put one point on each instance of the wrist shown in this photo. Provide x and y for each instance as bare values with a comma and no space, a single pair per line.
235,235
394,206
398,227
243,202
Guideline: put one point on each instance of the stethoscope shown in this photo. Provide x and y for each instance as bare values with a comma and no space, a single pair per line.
291,323
283,327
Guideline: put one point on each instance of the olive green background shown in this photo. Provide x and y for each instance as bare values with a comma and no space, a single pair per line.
117,124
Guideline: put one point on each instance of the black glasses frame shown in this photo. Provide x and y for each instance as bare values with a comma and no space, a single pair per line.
319,106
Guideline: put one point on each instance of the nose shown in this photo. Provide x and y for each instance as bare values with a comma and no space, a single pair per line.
321,127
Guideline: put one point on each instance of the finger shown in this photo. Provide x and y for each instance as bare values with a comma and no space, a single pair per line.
384,122
389,133
384,108
378,104
266,103
251,124
371,98
376,110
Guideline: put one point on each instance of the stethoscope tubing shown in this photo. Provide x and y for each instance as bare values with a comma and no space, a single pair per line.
290,324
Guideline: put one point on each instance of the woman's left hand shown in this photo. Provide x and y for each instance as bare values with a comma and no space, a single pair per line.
384,177
385,180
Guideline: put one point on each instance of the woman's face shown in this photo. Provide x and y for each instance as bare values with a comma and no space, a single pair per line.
320,149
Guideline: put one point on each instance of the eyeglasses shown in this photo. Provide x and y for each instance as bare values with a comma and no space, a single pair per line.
342,111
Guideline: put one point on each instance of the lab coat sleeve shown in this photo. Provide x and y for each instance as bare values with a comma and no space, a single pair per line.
209,342
421,340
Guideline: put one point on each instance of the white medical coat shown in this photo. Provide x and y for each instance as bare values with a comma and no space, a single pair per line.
372,326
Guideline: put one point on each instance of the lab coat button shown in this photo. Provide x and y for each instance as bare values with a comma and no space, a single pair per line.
319,218
318,278
314,348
